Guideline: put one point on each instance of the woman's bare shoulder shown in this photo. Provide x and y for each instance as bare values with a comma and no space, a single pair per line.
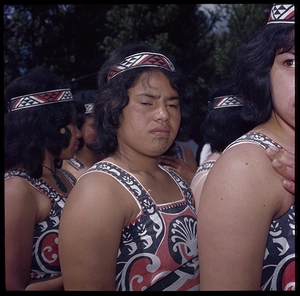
244,174
104,192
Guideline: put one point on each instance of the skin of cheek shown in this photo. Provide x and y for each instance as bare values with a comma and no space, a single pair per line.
88,134
282,82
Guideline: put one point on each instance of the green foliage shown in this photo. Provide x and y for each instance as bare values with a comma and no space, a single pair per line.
243,21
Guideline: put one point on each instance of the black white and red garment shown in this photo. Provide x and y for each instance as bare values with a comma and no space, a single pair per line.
158,250
45,259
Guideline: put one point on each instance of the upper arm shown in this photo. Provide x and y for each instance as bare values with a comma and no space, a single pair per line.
20,214
90,232
197,185
235,212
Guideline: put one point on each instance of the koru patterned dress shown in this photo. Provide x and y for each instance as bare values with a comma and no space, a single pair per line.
158,250
45,260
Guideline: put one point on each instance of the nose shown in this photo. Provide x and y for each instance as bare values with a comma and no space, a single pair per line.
162,114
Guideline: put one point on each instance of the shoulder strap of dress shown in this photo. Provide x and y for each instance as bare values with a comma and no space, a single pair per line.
76,163
254,138
70,177
205,166
38,184
129,182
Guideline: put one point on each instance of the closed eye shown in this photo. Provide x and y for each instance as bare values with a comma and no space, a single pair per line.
173,105
147,103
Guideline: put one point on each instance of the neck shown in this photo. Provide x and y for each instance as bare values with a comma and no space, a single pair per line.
57,179
52,170
135,163
49,161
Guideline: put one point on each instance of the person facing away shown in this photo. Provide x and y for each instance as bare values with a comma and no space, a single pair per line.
130,223
39,131
246,219
84,157
222,125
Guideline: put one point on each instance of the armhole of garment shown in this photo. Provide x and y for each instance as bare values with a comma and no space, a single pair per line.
204,168
40,188
121,181
201,177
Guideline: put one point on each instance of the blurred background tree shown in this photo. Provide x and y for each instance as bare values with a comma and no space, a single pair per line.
74,40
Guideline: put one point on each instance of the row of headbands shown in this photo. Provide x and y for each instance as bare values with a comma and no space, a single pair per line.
280,13
142,59
225,102
40,98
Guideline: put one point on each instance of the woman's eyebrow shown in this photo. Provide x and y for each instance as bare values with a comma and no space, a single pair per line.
151,96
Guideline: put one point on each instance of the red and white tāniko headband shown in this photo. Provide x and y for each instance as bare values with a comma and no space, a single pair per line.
142,59
40,98
282,14
225,102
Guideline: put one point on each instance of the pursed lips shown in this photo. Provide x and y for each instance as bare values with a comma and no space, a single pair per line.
161,131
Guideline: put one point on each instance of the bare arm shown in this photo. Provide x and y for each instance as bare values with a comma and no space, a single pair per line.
90,232
284,164
235,212
21,215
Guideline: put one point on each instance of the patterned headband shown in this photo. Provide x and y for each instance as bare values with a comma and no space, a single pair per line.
39,99
225,101
142,59
88,108
282,14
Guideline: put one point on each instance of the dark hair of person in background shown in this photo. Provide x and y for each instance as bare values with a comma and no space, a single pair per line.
223,125
35,129
115,98
81,98
253,70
